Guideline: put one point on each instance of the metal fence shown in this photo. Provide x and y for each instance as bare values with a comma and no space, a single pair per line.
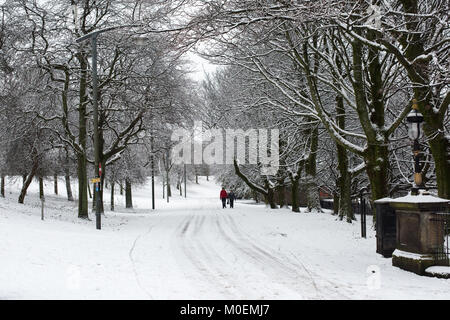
356,206
441,250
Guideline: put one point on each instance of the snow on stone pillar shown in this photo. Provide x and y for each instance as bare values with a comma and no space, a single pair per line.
418,237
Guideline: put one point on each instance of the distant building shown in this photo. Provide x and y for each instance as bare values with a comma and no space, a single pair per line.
325,193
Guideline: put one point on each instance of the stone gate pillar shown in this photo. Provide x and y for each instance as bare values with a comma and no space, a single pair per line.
417,236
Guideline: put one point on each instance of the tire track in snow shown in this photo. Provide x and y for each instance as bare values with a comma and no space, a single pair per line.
331,286
291,269
219,264
206,257
185,227
277,269
198,225
292,265
260,261
188,244
133,263
132,251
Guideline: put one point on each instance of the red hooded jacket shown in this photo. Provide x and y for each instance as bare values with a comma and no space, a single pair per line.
223,194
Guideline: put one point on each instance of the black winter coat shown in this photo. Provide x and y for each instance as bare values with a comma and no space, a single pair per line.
231,196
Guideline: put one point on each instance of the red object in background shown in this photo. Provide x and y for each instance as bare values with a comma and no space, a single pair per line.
223,194
100,169
324,193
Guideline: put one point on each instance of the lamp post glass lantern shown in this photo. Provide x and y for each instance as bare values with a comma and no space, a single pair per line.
415,133
415,124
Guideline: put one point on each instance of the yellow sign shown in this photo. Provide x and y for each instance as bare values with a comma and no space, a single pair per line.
94,180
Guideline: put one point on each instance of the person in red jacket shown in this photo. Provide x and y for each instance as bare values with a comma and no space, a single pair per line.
223,197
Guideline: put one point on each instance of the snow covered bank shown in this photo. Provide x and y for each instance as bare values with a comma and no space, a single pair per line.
192,249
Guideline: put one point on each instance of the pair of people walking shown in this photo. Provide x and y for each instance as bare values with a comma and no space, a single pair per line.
224,196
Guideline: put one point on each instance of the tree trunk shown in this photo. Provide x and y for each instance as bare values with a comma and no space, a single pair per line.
376,155
169,190
336,203
82,186
67,177
255,196
163,187
345,208
266,191
55,182
128,197
378,172
312,189
295,189
295,186
41,188
112,195
281,193
121,188
89,190
419,72
2,187
345,179
83,207
440,148
270,197
196,179
68,188
28,180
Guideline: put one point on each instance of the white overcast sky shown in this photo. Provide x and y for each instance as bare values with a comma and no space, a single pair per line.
199,66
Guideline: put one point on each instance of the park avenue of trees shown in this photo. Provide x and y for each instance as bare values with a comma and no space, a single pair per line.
337,78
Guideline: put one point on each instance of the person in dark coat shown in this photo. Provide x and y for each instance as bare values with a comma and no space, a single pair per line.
223,197
231,198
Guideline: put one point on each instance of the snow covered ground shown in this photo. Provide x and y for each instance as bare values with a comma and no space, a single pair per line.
191,249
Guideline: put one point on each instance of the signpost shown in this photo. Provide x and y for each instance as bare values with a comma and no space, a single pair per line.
98,201
97,185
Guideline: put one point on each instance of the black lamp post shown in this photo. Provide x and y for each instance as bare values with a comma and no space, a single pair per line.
142,135
93,38
415,133
97,185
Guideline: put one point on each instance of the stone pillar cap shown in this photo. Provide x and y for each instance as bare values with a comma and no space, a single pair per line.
420,198
384,200
422,201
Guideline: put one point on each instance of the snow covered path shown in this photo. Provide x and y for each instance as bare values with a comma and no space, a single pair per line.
193,249
219,261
